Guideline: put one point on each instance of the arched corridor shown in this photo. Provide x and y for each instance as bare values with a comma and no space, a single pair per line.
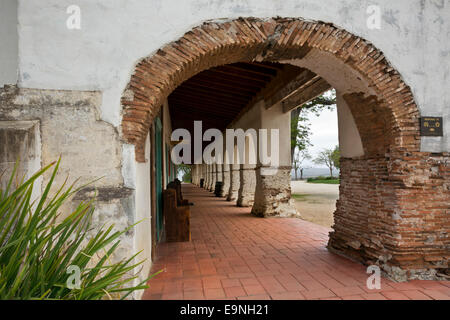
287,62
234,255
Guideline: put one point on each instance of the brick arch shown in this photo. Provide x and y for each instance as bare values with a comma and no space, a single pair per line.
223,42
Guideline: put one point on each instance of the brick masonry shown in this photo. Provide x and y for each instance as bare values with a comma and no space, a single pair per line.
393,208
394,212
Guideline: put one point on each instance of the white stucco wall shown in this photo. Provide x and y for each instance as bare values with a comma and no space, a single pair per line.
21,140
350,144
9,42
143,239
114,35
275,118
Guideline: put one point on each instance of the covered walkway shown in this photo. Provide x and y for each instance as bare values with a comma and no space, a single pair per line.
234,255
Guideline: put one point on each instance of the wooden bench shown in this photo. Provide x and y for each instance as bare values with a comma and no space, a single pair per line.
176,217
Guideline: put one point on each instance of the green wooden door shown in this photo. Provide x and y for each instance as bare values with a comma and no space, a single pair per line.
167,165
159,172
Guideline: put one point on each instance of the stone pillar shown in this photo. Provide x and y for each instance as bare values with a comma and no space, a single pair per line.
247,177
273,180
198,174
273,193
247,173
204,174
225,180
213,177
218,175
194,174
235,179
207,176
219,172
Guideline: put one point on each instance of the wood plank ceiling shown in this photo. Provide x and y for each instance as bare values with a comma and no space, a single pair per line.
217,95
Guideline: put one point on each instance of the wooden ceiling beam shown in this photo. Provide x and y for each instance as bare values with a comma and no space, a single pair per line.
231,81
268,65
224,84
199,86
220,94
206,124
262,67
242,69
193,93
287,87
221,109
188,124
243,75
187,98
286,75
190,116
305,94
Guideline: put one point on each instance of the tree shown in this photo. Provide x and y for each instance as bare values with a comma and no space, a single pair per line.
186,177
300,132
326,158
336,156
185,171
299,158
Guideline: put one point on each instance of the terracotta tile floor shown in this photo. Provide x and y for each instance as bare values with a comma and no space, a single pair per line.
234,255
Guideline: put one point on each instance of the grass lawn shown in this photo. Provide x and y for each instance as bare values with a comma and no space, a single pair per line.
299,197
327,180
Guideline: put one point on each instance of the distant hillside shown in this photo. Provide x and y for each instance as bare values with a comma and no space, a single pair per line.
315,172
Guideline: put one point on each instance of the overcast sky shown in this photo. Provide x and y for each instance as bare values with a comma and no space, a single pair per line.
324,133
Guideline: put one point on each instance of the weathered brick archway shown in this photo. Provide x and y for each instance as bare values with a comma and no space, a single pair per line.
389,211
217,43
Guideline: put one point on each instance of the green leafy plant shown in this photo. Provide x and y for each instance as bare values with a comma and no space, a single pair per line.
300,126
38,245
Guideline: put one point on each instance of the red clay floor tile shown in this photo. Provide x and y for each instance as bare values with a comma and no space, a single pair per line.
234,255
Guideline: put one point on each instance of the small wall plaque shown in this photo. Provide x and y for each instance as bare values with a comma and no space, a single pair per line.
431,126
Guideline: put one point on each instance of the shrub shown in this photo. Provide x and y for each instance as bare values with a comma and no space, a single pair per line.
36,250
316,178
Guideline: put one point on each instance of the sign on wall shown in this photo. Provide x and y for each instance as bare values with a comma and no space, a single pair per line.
431,126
